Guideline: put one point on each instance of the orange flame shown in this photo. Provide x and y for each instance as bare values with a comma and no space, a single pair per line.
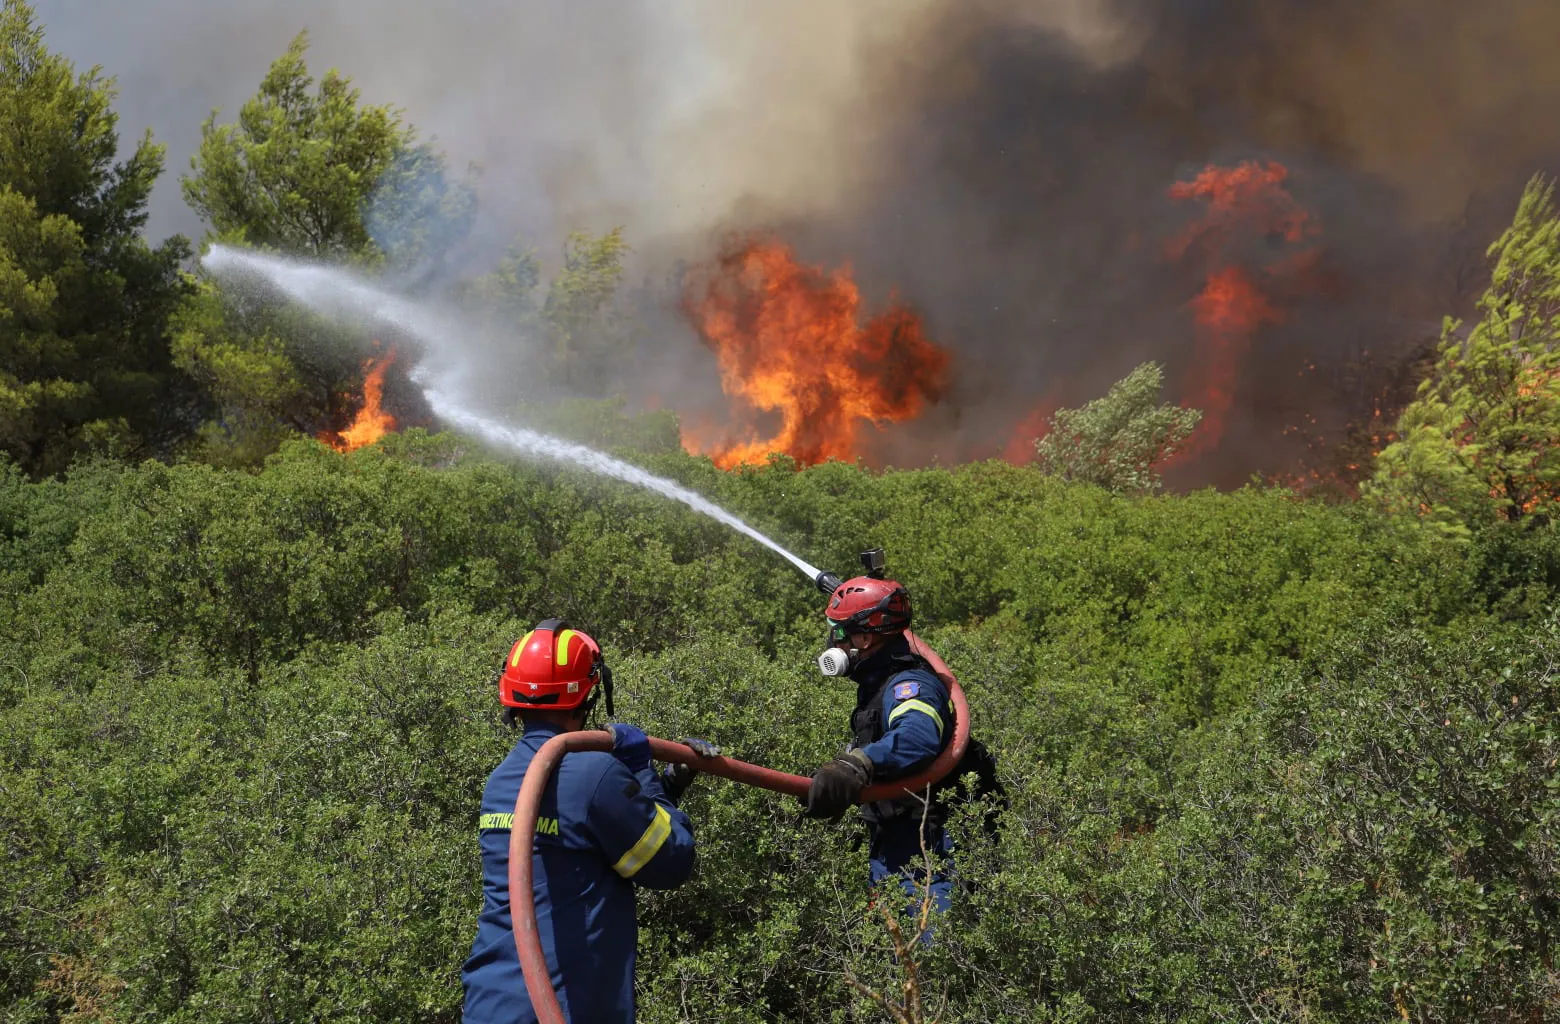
1518,486
1228,310
1242,200
371,422
789,341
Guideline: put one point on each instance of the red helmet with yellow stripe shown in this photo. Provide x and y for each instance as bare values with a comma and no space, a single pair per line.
553,668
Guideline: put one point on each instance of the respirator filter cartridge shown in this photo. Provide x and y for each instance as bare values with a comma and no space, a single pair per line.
834,662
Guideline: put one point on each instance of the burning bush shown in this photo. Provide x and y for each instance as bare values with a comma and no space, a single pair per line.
1482,440
371,421
790,341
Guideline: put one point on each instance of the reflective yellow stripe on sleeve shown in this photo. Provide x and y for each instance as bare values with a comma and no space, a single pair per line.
921,706
654,838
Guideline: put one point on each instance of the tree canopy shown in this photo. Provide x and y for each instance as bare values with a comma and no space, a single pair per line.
1482,439
319,174
1117,441
310,172
84,300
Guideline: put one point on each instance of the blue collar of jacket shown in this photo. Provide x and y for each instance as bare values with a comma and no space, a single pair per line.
536,727
872,673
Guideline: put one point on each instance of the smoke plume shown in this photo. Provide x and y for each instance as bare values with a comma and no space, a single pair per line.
1002,166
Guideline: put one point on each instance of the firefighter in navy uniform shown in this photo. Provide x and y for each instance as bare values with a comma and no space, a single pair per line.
902,721
607,823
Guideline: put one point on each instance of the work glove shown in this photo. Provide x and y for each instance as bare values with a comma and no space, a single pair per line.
676,778
838,785
631,746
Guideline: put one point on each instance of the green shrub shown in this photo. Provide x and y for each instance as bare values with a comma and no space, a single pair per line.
245,719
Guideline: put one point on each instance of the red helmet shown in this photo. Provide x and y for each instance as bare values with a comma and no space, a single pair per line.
868,605
553,668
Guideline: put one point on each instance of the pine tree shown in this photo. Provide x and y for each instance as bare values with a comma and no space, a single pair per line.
581,317
84,362
304,171
321,175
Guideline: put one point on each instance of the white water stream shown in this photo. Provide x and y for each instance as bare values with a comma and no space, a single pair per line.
337,294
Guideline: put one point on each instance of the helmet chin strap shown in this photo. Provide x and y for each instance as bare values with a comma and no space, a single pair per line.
589,706
606,687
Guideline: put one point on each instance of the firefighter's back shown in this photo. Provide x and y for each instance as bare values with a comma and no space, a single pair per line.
584,907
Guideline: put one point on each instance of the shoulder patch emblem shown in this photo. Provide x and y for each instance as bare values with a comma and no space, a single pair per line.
904,691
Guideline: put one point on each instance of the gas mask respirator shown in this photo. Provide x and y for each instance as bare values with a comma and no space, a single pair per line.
836,661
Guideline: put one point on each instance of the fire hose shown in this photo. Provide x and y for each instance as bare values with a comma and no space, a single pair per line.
528,943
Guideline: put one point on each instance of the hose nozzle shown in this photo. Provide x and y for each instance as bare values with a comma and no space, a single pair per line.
827,582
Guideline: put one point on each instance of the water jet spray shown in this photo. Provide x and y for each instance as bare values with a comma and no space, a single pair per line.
334,293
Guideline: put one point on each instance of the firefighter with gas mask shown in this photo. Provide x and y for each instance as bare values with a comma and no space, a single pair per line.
607,823
902,721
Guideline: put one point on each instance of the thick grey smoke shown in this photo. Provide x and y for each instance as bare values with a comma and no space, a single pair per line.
558,101
1001,164
657,114
1026,208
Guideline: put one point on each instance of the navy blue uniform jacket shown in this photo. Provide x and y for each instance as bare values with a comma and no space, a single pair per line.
602,830
916,716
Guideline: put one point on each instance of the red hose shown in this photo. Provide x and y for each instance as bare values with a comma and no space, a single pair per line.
522,899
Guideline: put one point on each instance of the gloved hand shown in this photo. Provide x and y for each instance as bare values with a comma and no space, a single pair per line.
631,746
837,785
676,778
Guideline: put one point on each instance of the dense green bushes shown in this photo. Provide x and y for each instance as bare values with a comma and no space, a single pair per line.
1372,837
1266,758
1198,593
